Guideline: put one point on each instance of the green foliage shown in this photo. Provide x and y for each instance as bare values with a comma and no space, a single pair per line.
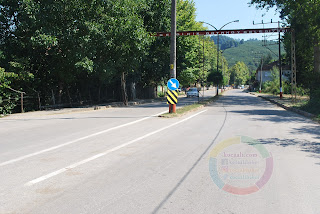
187,77
249,53
226,42
239,74
160,94
272,86
215,78
8,98
303,17
75,51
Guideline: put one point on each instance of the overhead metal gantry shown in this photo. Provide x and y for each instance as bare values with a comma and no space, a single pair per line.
248,31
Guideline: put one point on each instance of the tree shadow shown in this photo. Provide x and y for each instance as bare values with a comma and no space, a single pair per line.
313,130
238,100
277,116
304,145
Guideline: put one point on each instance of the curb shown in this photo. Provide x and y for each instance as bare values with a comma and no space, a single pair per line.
82,109
132,103
298,111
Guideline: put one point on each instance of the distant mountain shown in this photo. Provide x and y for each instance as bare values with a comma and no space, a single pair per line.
249,51
226,42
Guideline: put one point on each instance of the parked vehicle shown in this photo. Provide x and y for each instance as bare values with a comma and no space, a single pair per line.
193,92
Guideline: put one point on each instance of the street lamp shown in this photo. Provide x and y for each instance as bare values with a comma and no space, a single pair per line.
218,44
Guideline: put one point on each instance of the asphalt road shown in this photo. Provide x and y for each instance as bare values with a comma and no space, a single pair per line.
128,160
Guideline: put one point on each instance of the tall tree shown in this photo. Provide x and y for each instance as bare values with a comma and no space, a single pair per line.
239,73
304,18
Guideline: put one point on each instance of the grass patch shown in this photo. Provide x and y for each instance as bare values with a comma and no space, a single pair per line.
313,108
183,110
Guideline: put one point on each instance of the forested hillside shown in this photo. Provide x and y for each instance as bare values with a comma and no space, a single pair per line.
250,52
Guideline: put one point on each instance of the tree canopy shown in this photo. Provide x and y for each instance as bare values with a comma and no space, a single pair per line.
73,52
304,18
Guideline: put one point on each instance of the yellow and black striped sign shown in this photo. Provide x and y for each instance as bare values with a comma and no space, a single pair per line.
172,97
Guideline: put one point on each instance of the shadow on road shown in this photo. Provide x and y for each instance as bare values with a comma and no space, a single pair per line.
241,99
312,130
306,146
277,116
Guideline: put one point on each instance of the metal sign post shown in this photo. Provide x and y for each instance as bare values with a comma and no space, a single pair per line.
172,94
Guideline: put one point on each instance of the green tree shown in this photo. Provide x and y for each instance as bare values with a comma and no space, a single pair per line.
187,77
303,16
215,77
8,97
239,74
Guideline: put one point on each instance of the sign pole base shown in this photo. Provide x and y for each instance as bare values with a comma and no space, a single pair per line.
170,108
173,108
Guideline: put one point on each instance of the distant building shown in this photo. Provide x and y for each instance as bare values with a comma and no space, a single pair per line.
267,71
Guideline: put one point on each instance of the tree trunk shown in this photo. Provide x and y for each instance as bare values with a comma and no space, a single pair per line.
133,91
99,93
123,89
60,92
314,91
69,97
316,51
53,98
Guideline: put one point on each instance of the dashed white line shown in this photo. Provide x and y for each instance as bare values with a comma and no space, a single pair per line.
77,140
45,177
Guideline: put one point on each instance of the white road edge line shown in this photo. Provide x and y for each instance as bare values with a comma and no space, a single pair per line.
45,177
79,139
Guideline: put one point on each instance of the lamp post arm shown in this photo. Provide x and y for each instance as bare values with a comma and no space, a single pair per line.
210,25
229,23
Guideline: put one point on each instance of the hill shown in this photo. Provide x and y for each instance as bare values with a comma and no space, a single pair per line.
248,51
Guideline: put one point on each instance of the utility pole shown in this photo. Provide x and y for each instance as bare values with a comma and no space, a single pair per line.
260,89
280,67
203,68
218,50
279,42
173,46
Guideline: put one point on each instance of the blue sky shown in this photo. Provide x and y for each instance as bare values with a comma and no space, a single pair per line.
221,12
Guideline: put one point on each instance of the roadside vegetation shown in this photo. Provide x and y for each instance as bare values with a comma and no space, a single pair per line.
79,52
303,17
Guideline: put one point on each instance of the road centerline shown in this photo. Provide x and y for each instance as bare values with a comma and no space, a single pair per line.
45,177
77,140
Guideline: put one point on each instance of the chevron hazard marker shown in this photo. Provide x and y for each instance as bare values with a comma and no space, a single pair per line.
172,97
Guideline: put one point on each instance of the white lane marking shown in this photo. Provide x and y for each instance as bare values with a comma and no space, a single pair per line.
42,178
79,139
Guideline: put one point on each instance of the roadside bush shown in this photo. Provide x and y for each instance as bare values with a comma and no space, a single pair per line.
8,99
160,94
272,86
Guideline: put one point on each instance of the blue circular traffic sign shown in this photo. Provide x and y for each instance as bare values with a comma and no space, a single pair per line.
173,84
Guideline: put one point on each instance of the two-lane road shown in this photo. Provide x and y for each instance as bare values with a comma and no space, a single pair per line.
128,160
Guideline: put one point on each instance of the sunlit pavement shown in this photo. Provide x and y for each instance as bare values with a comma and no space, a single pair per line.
239,155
